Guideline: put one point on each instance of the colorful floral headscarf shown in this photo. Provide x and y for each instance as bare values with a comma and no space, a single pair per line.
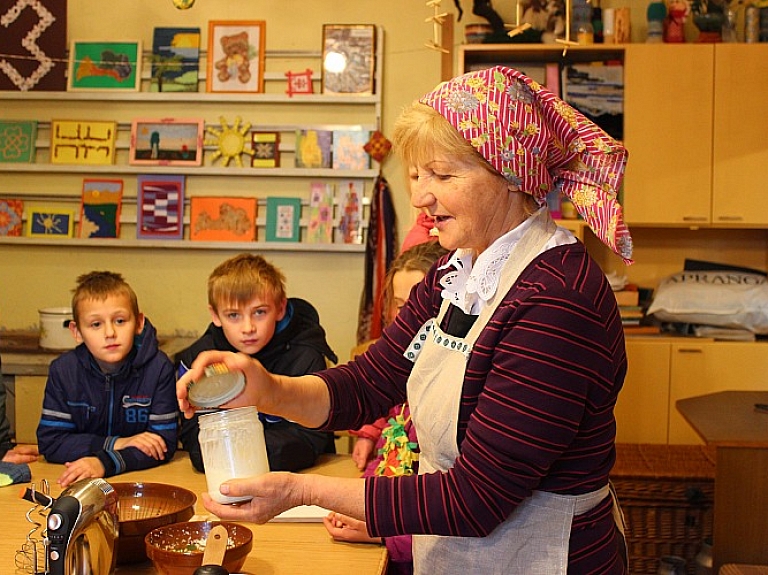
539,144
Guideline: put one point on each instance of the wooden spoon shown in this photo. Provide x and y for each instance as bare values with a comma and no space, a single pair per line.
213,556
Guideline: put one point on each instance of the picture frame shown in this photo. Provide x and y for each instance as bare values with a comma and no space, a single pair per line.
266,149
104,66
320,218
166,142
50,222
175,59
83,142
283,219
349,59
11,217
160,207
100,208
236,56
222,219
18,141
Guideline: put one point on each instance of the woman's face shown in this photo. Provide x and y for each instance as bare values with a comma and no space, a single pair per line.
471,205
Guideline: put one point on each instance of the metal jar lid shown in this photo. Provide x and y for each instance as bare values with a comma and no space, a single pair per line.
217,387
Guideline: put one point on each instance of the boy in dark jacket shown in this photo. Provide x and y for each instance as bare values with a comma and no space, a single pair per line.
110,403
251,314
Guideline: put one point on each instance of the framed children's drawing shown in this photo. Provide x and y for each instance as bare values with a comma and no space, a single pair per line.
160,209
166,142
100,208
175,59
104,66
83,142
222,219
236,55
349,58
266,149
283,219
51,222
18,139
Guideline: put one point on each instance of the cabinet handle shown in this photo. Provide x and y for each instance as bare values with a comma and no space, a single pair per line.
689,350
730,218
695,218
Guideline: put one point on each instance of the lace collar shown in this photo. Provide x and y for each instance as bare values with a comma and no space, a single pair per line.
470,286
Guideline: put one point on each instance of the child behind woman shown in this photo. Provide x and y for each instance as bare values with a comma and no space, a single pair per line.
389,446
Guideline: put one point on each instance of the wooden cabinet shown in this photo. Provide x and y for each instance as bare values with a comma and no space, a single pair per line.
663,370
708,367
696,138
740,135
668,132
642,410
693,124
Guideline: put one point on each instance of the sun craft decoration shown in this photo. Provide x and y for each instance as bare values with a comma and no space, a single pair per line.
229,141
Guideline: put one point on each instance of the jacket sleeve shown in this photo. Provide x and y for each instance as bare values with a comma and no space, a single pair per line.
58,437
162,421
291,447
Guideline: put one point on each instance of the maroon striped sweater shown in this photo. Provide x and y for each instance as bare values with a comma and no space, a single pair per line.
536,410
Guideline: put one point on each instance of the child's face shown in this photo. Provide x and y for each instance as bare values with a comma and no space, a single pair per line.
107,327
402,282
249,327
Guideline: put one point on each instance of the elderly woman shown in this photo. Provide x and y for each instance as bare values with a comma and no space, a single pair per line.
510,351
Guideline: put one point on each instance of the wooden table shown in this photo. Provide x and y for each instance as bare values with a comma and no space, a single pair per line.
278,548
728,420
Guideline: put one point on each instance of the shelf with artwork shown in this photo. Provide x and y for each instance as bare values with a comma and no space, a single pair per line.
311,141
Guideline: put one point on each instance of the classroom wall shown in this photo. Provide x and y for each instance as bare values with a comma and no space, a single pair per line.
171,283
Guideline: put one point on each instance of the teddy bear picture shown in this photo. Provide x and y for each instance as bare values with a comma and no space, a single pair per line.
236,56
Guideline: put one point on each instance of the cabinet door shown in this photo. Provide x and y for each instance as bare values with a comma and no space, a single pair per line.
668,131
701,368
740,170
642,409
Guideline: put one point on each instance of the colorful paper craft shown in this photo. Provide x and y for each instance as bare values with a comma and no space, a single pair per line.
82,142
320,219
283,218
160,207
51,222
266,149
222,219
350,230
313,148
104,66
349,150
100,209
11,217
17,140
175,60
33,43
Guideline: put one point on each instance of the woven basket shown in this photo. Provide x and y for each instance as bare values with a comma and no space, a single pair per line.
667,494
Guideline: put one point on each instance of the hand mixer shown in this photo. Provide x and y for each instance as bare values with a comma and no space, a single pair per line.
82,528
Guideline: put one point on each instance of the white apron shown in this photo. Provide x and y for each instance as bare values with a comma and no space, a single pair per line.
534,539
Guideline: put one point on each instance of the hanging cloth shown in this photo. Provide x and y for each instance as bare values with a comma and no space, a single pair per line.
380,250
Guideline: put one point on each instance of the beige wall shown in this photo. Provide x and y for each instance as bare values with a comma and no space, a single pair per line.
171,283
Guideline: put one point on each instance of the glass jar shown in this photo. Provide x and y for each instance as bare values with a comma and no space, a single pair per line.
233,446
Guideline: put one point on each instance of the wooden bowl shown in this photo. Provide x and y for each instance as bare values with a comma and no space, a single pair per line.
144,507
178,549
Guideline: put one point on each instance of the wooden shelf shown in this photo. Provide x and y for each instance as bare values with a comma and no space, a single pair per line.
182,245
190,171
196,97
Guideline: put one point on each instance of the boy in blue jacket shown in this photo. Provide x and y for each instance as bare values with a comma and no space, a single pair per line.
110,403
251,314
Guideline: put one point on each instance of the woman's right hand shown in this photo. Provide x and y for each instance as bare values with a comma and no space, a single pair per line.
256,379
